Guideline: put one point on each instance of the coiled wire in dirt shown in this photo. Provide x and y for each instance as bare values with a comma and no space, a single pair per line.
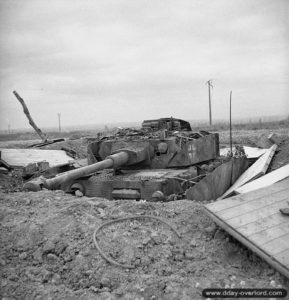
110,260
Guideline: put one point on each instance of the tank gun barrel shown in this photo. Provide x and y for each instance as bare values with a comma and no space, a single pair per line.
113,161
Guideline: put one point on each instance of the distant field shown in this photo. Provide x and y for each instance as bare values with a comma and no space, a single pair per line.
245,134
248,137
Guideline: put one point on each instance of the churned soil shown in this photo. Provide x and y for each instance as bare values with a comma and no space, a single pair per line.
48,252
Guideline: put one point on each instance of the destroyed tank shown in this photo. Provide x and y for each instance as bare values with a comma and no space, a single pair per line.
158,160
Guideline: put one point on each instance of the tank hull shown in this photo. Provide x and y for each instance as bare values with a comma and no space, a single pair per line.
134,184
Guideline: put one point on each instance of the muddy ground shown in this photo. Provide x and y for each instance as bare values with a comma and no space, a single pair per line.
47,248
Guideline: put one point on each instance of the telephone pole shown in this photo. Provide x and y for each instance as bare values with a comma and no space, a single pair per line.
210,85
231,146
59,127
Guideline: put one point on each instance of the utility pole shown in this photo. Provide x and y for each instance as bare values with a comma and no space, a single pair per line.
209,83
59,127
231,146
9,128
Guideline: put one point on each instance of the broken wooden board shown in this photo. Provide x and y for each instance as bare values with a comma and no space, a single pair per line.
258,169
265,180
216,183
251,152
255,220
23,157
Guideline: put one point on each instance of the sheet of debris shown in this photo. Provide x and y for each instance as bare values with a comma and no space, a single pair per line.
24,157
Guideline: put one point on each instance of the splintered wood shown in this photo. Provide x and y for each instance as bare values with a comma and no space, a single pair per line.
258,169
265,180
255,220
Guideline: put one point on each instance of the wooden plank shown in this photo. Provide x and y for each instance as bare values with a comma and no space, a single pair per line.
251,196
276,263
269,234
251,206
265,180
23,157
263,224
277,245
255,220
256,170
283,257
264,212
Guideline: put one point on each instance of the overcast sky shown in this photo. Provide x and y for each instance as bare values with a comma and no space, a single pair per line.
129,60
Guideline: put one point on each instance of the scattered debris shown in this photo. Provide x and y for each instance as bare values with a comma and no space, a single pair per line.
254,219
33,168
251,152
258,169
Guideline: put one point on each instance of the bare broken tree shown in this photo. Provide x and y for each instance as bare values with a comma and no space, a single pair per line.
42,135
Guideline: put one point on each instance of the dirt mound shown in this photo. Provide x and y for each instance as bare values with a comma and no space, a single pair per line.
47,250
